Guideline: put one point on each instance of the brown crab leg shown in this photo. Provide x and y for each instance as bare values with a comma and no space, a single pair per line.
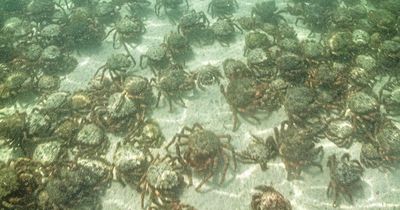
210,174
226,164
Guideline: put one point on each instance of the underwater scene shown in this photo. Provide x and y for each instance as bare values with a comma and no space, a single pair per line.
199,104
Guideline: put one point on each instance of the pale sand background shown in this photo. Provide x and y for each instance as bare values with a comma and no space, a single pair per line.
380,190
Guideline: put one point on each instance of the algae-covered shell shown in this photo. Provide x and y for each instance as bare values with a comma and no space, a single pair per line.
48,152
360,37
119,62
8,180
362,103
90,134
120,106
38,124
128,159
54,101
366,62
51,53
157,52
162,176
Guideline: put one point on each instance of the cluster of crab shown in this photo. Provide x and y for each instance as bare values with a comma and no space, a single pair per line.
198,152
32,184
325,87
38,37
63,138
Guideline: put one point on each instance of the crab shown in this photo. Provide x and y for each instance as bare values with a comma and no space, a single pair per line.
389,51
259,151
41,11
366,62
315,16
172,84
102,87
14,83
162,182
75,184
39,124
90,139
300,104
389,54
224,30
118,113
382,19
157,58
363,108
343,18
138,89
259,62
136,6
267,12
362,78
99,169
269,198
284,31
345,175
207,75
287,44
119,106
236,69
14,127
54,104
125,30
325,75
313,51
203,150
169,4
50,57
116,64
50,35
178,46
54,61
340,45
81,30
221,8
130,164
390,97
66,129
20,179
49,150
340,131
244,95
16,28
173,205
247,23
81,102
148,135
106,12
48,83
192,23
370,156
10,184
386,138
296,148
256,39
7,51
274,95
63,105
292,67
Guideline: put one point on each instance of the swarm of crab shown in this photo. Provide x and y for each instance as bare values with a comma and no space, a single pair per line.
327,84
